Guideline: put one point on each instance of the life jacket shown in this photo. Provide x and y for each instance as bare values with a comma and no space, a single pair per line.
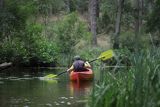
78,65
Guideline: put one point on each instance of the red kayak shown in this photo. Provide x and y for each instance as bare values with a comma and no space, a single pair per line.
80,76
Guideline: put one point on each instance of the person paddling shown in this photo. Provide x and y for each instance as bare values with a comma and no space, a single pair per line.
79,65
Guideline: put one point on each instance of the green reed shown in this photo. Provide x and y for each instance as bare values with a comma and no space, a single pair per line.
137,86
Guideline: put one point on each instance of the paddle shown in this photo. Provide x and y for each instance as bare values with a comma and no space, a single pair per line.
53,75
103,56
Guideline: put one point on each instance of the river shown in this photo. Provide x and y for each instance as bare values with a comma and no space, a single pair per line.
25,88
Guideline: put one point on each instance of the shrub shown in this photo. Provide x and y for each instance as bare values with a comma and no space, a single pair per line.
69,31
13,50
38,45
28,46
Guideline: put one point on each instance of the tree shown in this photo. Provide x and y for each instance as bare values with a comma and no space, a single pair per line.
97,8
118,20
153,22
150,5
138,20
141,2
93,20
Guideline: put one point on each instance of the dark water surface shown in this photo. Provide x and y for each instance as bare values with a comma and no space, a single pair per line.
25,88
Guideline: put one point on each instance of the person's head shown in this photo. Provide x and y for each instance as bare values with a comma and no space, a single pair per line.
77,57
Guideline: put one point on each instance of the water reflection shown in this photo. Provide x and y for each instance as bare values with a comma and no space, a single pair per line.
26,89
81,87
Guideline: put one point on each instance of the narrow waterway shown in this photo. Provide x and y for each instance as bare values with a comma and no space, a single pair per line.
25,88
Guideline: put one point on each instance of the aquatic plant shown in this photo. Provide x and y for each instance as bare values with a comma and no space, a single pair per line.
138,86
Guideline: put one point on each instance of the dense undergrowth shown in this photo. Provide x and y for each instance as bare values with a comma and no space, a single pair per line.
43,45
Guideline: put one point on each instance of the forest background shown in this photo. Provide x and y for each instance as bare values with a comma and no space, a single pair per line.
36,33
39,32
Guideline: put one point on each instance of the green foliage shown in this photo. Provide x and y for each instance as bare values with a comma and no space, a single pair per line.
72,5
39,46
108,7
27,37
69,31
127,15
153,23
88,53
29,45
134,87
82,5
104,23
34,40
7,23
48,7
77,5
13,50
57,6
14,15
128,40
45,51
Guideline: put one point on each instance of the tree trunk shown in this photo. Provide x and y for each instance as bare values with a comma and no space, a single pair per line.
150,6
5,65
117,25
137,8
67,3
2,11
92,11
140,13
138,20
97,8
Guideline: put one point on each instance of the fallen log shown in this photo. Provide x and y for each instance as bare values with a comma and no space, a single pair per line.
5,65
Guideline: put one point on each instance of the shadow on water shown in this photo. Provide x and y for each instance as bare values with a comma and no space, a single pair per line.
23,88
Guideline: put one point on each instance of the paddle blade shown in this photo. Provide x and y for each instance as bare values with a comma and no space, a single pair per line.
49,80
50,76
106,55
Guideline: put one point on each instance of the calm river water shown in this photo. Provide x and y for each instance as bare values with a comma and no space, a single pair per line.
25,88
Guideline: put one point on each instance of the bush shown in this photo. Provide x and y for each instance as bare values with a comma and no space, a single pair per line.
38,45
14,15
128,40
28,46
13,50
69,31
104,23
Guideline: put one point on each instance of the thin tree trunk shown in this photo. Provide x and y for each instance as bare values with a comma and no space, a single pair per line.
67,3
140,13
137,8
117,25
50,10
1,11
97,8
138,21
92,10
150,6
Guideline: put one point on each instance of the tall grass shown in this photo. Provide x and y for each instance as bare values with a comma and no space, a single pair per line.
138,86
